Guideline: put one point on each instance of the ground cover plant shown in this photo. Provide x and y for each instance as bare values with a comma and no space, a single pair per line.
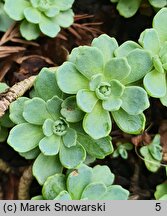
82,120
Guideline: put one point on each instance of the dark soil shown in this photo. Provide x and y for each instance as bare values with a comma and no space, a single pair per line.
16,66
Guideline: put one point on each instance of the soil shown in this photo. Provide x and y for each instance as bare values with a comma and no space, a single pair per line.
20,59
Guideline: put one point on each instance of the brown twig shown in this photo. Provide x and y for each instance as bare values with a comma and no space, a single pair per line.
24,184
14,92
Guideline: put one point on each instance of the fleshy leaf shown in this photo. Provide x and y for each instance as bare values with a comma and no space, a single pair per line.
117,68
63,5
16,110
53,186
155,84
66,72
89,61
46,84
103,174
149,40
78,180
115,192
159,23
32,154
86,100
117,88
53,107
50,145
151,164
97,148
134,100
73,156
157,3
35,111
161,190
97,123
112,104
65,18
71,111
126,48
132,124
25,137
94,191
49,27
29,31
69,139
49,165
63,195
140,62
95,81
32,15
128,8
106,45
15,9
48,127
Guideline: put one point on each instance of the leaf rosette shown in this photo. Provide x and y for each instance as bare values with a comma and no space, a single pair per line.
154,40
84,183
48,129
101,84
36,16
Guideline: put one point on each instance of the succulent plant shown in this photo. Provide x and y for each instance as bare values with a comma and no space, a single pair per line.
84,183
161,191
102,84
152,154
36,16
154,40
46,124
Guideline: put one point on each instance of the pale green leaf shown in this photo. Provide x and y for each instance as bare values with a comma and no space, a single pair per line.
29,31
70,138
46,84
25,137
71,111
106,45
49,165
132,124
49,27
140,62
159,24
32,15
16,110
126,48
15,9
50,145
112,104
117,68
115,192
103,174
78,180
86,100
89,61
53,186
134,100
155,84
128,8
35,111
149,40
67,72
64,18
63,195
73,156
94,191
97,123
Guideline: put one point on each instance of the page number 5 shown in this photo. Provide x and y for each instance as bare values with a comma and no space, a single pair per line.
158,206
